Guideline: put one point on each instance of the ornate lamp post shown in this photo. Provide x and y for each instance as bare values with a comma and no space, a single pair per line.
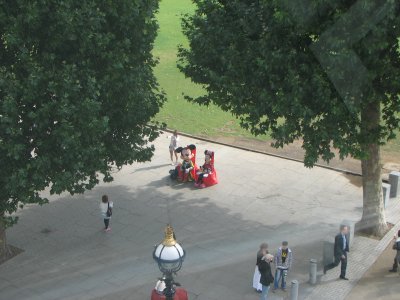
169,256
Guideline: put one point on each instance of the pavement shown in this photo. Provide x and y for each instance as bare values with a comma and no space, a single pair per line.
378,283
259,198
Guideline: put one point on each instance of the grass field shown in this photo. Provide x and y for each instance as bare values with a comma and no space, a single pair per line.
177,113
191,118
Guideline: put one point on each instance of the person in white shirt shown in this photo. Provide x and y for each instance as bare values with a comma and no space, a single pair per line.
106,211
172,147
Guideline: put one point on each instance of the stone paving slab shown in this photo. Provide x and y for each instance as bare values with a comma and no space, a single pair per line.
259,198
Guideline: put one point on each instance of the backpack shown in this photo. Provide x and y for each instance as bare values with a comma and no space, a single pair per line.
173,174
109,210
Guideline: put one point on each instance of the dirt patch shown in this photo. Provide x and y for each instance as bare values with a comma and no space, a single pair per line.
390,159
293,151
378,283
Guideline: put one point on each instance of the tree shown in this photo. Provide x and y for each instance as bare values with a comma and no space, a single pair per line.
77,91
322,71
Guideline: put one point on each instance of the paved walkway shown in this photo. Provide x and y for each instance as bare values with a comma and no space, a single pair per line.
378,283
363,254
259,199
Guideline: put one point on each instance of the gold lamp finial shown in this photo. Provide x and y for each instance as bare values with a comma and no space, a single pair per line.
169,239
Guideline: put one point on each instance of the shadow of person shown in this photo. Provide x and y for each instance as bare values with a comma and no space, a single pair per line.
150,168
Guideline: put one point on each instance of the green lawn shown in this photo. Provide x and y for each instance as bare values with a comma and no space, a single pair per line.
177,113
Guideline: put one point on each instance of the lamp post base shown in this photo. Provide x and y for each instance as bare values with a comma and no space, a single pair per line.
169,291
180,294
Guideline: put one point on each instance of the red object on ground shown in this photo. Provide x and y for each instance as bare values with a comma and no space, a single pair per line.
180,294
211,179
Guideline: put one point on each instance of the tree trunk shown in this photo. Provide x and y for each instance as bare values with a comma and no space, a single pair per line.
3,240
373,221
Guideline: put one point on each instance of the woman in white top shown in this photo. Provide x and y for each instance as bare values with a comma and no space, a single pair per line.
106,206
173,145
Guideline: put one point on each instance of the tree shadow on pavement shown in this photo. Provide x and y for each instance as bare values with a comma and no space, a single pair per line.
149,168
214,236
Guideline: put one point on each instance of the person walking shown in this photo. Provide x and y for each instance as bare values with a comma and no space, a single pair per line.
264,266
257,275
396,246
172,147
283,261
106,207
340,252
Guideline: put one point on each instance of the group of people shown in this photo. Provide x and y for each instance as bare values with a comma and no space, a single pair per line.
341,248
263,277
283,259
187,170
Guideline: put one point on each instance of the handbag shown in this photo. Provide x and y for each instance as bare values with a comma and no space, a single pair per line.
109,210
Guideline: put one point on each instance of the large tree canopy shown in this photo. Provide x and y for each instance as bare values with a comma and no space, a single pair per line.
326,72
77,91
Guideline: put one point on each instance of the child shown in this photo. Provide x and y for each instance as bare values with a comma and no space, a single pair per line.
106,211
172,147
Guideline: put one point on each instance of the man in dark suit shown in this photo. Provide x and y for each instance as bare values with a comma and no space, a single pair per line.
340,252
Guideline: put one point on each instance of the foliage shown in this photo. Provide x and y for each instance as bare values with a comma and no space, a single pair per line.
299,70
76,93
177,113
325,72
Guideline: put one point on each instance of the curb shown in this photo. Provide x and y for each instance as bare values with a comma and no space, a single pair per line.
385,241
375,252
348,172
382,245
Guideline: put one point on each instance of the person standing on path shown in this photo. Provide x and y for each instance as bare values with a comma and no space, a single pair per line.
257,275
172,147
283,262
266,279
340,252
106,211
396,246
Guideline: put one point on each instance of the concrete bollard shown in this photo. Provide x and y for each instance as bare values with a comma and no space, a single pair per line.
294,290
386,194
313,271
394,180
